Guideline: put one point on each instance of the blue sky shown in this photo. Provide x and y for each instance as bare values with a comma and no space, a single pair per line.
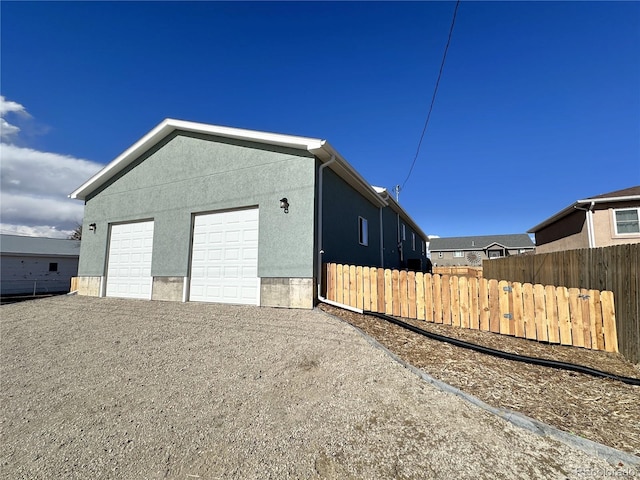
538,105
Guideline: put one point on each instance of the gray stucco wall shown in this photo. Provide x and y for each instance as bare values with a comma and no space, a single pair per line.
191,173
342,206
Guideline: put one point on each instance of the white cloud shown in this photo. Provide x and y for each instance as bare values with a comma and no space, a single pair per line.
34,187
8,131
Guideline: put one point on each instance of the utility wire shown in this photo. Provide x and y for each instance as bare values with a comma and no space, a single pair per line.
435,91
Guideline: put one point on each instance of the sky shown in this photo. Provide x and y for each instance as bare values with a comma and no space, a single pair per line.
538,104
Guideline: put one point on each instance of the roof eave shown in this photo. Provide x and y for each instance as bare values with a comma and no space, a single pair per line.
170,125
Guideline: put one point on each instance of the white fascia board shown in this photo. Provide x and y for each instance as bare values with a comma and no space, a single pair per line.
586,201
610,199
325,152
168,126
395,206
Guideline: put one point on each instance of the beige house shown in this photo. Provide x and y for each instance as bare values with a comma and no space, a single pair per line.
603,220
471,251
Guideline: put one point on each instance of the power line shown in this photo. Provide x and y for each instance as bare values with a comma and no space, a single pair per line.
435,91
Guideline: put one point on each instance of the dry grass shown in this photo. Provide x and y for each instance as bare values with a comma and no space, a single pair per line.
602,410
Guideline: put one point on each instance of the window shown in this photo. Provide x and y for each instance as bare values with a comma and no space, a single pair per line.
495,253
458,254
363,231
413,241
627,221
404,232
424,249
53,267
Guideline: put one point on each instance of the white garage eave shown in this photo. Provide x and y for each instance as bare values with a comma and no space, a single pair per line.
319,148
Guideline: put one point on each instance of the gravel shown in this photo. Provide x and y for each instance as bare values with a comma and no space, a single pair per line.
127,389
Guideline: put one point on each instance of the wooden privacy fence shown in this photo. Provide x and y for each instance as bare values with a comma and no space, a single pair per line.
568,316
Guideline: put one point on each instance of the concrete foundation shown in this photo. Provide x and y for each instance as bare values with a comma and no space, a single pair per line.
89,286
287,292
167,288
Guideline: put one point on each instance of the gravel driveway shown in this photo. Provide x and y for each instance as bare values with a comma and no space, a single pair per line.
109,388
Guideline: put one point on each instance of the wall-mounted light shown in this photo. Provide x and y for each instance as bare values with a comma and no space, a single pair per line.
92,227
284,203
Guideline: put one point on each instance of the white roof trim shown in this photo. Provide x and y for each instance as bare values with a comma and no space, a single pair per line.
571,208
168,126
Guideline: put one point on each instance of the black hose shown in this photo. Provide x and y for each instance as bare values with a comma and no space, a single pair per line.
506,355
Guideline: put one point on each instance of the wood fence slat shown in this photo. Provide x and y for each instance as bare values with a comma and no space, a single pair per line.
528,312
395,281
455,300
597,321
485,311
359,288
381,290
429,315
474,312
564,318
593,334
373,289
445,295
540,315
420,314
404,294
366,288
586,317
609,321
463,288
388,292
329,294
353,287
503,304
518,307
575,309
411,293
552,314
340,283
494,306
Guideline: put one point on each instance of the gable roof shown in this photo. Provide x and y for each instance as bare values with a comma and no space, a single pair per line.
19,245
481,242
624,195
321,149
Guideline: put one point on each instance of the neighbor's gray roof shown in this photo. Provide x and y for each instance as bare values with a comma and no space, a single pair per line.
480,242
19,245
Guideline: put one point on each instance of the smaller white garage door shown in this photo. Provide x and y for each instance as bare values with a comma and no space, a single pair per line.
224,259
129,265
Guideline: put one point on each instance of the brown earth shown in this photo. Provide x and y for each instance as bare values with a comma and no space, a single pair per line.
602,410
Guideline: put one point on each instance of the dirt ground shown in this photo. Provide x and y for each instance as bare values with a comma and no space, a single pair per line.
602,410
105,388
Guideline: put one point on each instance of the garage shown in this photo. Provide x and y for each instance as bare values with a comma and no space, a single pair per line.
224,258
129,261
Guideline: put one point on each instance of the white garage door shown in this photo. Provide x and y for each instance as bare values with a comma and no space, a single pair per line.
129,267
224,260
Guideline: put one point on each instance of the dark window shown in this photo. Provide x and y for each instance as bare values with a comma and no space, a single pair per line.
363,231
53,267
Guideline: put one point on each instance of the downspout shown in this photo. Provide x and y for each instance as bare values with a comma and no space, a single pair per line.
589,217
320,232
381,240
590,229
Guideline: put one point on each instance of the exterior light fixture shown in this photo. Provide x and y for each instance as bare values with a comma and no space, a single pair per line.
92,227
284,203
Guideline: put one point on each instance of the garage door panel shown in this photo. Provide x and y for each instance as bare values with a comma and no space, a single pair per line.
129,263
225,267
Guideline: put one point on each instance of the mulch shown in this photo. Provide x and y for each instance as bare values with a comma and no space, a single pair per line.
602,410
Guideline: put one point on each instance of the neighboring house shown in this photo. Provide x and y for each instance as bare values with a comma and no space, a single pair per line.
609,219
197,212
33,265
471,251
